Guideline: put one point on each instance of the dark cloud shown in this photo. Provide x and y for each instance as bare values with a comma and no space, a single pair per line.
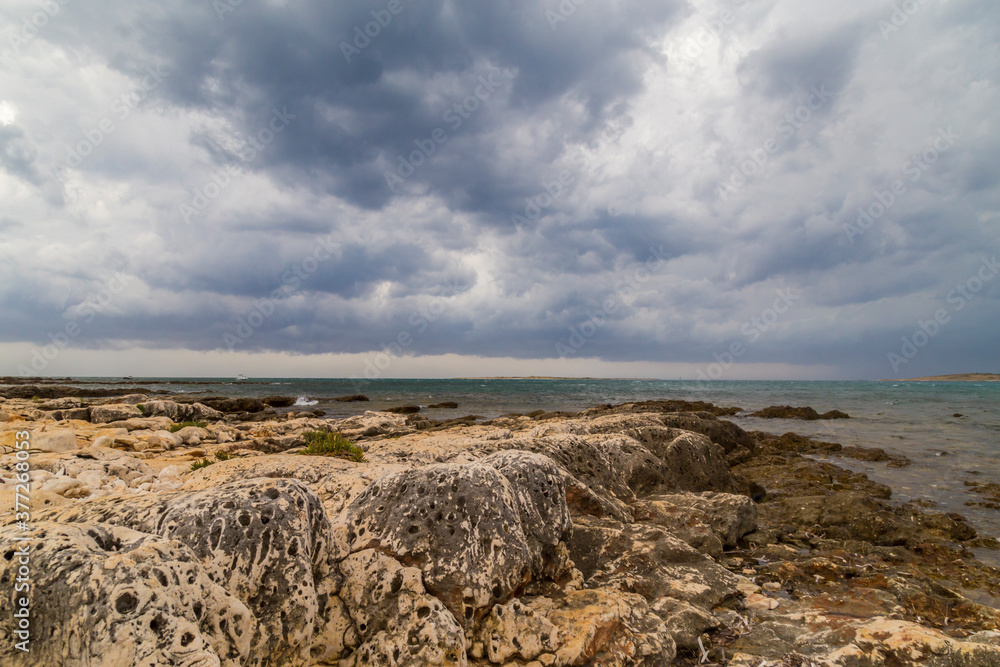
568,154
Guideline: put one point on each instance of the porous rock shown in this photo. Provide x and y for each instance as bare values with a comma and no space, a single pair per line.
459,523
125,598
398,622
267,541
603,627
516,631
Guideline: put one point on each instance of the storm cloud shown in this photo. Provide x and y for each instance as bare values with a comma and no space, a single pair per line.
621,182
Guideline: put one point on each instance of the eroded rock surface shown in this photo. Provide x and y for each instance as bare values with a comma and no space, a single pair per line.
106,595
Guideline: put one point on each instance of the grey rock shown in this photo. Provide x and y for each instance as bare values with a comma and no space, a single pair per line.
180,412
104,414
268,542
398,621
106,595
459,523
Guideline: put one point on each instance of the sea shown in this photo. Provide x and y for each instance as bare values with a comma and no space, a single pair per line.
949,430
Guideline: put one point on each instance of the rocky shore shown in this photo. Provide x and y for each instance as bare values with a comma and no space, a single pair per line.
166,532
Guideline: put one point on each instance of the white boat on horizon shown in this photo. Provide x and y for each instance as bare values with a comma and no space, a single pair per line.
241,377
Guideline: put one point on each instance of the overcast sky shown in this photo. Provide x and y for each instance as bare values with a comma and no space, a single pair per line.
655,188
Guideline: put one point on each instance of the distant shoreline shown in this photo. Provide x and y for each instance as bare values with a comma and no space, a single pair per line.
959,377
548,377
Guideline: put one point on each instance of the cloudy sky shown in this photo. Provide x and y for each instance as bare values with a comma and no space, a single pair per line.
723,188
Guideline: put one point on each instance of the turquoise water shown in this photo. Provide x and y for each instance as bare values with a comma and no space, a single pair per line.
910,418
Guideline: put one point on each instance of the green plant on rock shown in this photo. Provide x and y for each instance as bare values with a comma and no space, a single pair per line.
324,443
176,427
198,465
223,455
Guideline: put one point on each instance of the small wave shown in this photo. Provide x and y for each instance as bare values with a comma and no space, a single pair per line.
304,400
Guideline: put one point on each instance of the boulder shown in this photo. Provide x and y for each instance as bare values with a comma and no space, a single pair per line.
460,524
267,541
104,414
192,435
355,398
404,410
106,595
398,622
244,404
789,412
65,403
180,412
723,433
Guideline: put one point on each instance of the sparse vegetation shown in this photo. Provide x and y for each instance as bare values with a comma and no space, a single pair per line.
176,427
198,465
223,455
324,443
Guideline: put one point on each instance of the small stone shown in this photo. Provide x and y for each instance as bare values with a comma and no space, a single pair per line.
772,587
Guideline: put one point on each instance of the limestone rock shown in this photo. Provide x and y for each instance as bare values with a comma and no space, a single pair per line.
539,491
459,523
724,433
53,440
604,627
267,541
515,631
730,516
372,423
902,644
104,414
164,439
192,435
645,559
180,412
66,403
124,598
143,424
398,622
683,621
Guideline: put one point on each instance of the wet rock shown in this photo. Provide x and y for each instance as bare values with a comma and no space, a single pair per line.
397,621
806,413
460,524
267,541
447,405
104,414
124,598
726,434
243,404
354,398
403,410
